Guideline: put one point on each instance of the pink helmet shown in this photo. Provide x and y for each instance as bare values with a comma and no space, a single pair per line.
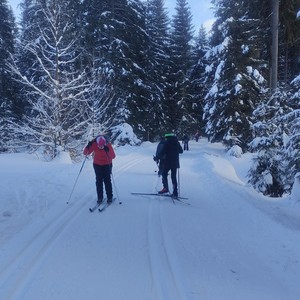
101,142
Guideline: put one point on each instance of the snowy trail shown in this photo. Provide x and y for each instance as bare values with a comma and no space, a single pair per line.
224,245
167,280
15,274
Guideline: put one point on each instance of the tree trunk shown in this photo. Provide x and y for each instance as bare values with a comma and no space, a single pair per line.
274,50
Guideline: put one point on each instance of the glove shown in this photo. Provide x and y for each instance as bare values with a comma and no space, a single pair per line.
106,149
89,144
155,158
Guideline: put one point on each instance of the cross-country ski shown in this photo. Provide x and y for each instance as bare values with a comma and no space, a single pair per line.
105,205
93,208
162,195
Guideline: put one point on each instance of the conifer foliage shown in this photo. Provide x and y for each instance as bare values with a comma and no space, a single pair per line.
178,98
56,92
77,65
236,83
8,96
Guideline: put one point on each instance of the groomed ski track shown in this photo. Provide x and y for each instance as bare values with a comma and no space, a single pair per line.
147,248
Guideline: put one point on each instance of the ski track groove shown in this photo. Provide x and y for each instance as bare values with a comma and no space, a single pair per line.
121,170
18,271
166,282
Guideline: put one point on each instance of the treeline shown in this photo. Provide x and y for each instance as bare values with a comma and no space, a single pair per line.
72,66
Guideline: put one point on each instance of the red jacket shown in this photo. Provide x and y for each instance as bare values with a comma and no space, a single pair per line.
101,157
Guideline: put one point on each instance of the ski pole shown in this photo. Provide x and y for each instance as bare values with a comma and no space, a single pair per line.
113,180
178,183
77,179
157,164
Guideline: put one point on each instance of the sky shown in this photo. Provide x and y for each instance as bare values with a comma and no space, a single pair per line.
200,9
226,241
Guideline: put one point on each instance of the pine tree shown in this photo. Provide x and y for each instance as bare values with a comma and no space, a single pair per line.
291,119
117,43
198,88
8,95
157,27
277,150
139,100
291,155
236,83
271,172
58,94
178,95
289,34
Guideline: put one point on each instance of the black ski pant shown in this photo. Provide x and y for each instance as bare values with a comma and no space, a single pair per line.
161,166
173,178
103,175
186,146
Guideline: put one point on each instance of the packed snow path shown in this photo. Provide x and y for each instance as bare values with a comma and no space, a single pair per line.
229,243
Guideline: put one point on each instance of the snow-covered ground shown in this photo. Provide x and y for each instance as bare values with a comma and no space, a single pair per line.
229,243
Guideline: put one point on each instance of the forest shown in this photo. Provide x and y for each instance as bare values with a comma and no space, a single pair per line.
71,69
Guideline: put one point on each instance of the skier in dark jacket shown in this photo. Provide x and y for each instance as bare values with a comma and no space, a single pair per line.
171,150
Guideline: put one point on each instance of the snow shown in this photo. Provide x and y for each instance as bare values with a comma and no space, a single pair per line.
229,243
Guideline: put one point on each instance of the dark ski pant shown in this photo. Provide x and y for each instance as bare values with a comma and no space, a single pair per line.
173,178
186,146
161,167
103,175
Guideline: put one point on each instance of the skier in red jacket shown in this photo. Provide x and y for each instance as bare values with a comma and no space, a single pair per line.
103,156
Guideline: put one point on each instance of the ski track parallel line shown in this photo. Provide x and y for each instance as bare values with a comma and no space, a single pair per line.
177,280
128,166
18,270
166,284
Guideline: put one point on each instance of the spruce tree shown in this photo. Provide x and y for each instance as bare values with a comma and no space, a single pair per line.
272,169
290,120
158,39
58,93
178,93
236,83
140,102
8,89
277,154
117,43
289,30
198,87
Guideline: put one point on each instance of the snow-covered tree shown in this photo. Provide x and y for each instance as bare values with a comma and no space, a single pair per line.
237,85
271,172
289,34
198,88
181,61
276,128
117,40
60,97
8,95
140,102
158,39
291,119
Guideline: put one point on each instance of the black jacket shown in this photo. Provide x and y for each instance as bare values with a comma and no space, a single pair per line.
170,151
159,150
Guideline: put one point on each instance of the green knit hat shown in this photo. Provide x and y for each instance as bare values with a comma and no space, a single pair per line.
169,134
